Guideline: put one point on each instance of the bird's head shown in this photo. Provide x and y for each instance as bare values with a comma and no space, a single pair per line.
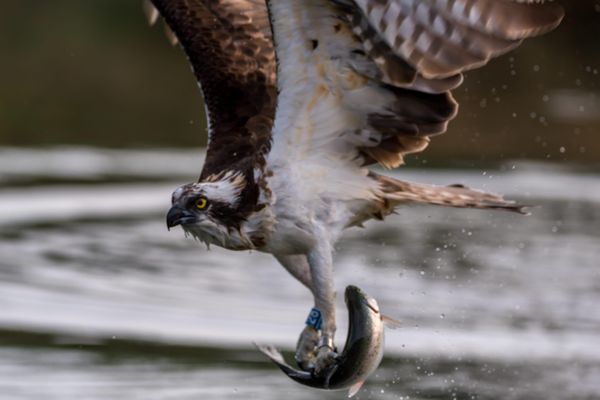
207,210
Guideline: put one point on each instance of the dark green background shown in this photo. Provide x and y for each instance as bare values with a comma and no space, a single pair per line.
94,73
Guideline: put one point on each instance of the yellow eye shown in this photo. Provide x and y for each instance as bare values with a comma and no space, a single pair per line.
201,203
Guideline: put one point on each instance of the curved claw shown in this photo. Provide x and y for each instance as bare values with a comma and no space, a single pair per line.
325,362
306,348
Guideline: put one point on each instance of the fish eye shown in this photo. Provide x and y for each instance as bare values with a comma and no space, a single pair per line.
201,203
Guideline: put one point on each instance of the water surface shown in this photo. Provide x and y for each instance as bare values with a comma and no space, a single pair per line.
99,301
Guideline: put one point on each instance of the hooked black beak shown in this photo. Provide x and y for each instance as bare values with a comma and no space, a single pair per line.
177,216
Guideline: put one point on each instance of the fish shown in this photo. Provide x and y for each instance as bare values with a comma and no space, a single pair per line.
362,352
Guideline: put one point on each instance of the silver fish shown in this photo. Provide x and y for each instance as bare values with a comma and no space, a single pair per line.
362,352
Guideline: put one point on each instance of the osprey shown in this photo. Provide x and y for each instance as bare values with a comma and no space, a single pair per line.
304,96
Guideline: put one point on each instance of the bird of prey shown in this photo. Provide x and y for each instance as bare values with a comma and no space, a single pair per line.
303,97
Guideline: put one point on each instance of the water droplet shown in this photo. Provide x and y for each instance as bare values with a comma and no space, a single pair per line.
442,315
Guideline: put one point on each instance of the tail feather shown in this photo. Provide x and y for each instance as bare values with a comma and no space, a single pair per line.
396,191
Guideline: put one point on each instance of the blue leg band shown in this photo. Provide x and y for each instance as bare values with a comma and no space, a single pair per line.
315,319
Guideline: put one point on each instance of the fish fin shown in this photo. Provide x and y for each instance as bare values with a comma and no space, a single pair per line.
390,322
355,388
275,356
170,35
271,352
151,12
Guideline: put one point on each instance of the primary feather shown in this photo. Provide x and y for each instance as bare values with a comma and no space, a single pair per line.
229,46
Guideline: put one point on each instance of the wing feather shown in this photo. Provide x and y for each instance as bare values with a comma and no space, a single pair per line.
229,45
441,38
379,72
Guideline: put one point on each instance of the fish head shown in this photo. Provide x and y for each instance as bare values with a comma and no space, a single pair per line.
356,299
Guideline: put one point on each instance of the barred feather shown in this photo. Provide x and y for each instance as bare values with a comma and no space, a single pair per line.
396,192
441,38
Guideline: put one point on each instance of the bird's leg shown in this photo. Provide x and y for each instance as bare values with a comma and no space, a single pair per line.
321,269
307,345
297,266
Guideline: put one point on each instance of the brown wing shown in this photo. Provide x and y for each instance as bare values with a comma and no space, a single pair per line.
229,45
418,49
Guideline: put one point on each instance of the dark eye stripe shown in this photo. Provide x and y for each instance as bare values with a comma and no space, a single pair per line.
191,203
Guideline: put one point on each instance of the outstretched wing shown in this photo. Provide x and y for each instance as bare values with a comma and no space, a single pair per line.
369,80
229,45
